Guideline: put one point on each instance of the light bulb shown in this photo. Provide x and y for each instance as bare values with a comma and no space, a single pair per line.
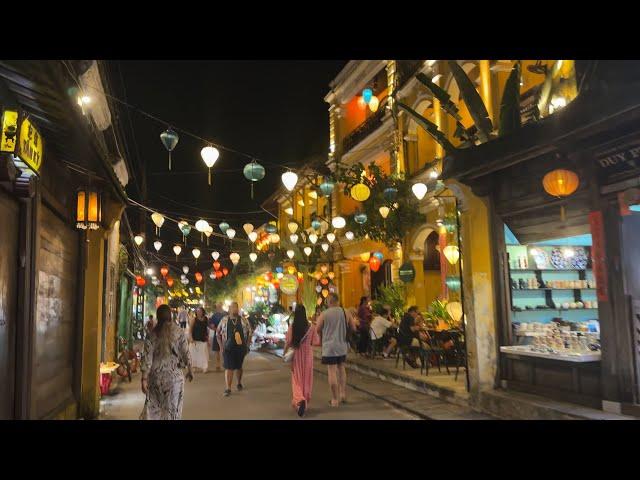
196,252
338,222
215,255
419,190
384,211
209,155
289,179
231,233
294,238
307,251
313,238
290,253
325,247
349,235
253,236
138,239
158,245
253,256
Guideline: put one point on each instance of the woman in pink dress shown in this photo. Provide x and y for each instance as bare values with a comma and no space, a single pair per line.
301,336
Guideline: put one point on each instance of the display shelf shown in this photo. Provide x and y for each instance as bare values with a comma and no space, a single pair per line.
550,269
554,309
568,357
533,289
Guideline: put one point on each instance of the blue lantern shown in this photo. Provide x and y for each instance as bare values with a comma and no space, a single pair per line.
326,187
169,139
316,223
453,283
223,227
253,172
360,218
367,94
271,228
279,270
379,256
390,194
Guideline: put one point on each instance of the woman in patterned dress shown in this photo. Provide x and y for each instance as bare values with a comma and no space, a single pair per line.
166,354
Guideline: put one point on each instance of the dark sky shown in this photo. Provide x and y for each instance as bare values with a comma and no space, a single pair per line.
272,109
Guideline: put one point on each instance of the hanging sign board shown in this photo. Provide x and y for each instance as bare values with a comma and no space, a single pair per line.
9,131
618,163
30,146
407,272
598,256
289,285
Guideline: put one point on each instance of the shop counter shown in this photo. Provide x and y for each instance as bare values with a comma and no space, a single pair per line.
568,357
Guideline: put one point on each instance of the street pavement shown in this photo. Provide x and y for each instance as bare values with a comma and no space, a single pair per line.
266,396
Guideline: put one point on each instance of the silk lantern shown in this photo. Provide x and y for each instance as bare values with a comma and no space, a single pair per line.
326,187
360,218
158,220
138,239
223,227
164,271
216,265
289,179
452,253
331,237
253,172
252,236
218,274
198,276
215,255
185,269
210,156
307,251
248,228
338,222
374,263
561,183
169,139
360,192
253,256
225,271
157,245
290,253
454,309
170,282
140,281
235,258
365,256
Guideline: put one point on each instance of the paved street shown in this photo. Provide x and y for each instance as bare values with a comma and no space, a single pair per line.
267,396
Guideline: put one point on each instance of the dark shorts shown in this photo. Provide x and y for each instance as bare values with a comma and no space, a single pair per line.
334,360
215,346
232,359
183,324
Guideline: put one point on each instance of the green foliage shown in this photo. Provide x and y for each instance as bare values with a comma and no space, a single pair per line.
260,308
392,295
438,311
510,104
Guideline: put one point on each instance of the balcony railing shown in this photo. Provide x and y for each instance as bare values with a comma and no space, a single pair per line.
368,127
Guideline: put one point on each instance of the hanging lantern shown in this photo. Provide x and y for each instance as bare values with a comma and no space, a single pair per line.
454,309
360,192
294,238
202,226
325,292
89,210
326,187
374,103
331,237
177,249
274,238
158,220
235,258
208,232
289,179
349,235
325,247
367,94
253,256
360,218
169,139
212,276
138,239
338,222
313,238
290,253
225,271
198,276
271,227
374,263
253,236
316,223
390,194
331,275
164,271
210,156
419,190
170,282
140,281
365,256
384,211
216,265
307,251
231,233
185,269
361,103
218,274
452,253
196,253
223,227
453,283
379,255
215,255
157,245
292,226
253,172
248,228
561,183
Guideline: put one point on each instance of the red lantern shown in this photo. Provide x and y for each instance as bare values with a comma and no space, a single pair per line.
140,281
164,271
324,281
269,276
198,276
170,282
216,265
225,271
218,274
374,263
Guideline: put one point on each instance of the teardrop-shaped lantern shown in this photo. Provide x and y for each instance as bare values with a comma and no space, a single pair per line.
208,232
164,271
215,255
360,218
218,274
231,233
158,220
384,211
196,253
290,253
390,194
235,258
374,103
185,228
210,156
289,179
253,256
294,238
216,265
452,253
169,139
212,276
326,187
313,238
157,245
185,269
170,282
325,247
349,235
331,237
138,239
292,226
307,251
225,271
177,249
248,228
253,236
223,227
419,190
254,172
198,276
202,225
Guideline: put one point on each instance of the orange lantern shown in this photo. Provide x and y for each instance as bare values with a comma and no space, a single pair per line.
374,263
140,281
218,274
216,265
225,271
170,282
560,183
324,281
164,271
198,276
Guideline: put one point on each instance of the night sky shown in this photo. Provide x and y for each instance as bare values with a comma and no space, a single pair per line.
274,110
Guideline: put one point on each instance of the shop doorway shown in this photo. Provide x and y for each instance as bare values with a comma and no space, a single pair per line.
631,254
381,278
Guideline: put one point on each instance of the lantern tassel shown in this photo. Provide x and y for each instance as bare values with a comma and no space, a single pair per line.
169,160
251,190
209,177
562,214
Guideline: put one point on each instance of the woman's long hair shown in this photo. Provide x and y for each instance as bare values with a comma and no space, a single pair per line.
163,328
300,325
363,301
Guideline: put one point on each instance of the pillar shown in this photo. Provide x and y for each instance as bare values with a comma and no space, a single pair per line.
485,88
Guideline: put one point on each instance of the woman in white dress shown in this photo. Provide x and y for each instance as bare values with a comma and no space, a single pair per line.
199,341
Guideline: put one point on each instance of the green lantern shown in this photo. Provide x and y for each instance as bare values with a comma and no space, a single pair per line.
253,172
450,223
326,187
360,218
453,283
223,227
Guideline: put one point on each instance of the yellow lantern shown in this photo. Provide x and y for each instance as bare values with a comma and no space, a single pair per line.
291,269
365,256
374,103
452,253
360,192
560,183
325,292
454,309
89,210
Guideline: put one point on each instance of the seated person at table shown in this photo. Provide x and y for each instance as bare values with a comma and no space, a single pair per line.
379,324
423,334
408,334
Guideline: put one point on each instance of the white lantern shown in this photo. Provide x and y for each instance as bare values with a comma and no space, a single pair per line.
248,228
212,276
177,249
452,253
138,239
202,225
384,211
235,258
294,238
253,236
279,275
313,238
185,269
158,245
338,222
331,237
231,233
196,253
307,251
290,253
253,256
419,190
149,271
210,156
349,235
325,247
292,226
215,255
289,179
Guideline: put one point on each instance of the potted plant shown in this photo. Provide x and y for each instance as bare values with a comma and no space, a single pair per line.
437,315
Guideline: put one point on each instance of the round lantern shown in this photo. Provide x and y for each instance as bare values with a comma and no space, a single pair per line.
374,263
169,139
316,223
360,192
271,228
253,172
202,225
367,94
140,281
218,274
360,218
338,222
560,183
326,187
198,276
164,271
390,194
223,227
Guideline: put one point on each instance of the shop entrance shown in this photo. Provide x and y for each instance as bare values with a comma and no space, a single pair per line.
631,254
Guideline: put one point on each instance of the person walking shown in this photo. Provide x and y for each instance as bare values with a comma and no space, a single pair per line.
214,322
234,334
182,317
166,354
365,315
301,336
199,340
332,328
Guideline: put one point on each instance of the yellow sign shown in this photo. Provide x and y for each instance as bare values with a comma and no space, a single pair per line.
9,131
30,145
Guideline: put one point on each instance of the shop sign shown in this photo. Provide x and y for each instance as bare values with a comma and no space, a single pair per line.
289,284
9,131
407,272
598,256
30,145
615,164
